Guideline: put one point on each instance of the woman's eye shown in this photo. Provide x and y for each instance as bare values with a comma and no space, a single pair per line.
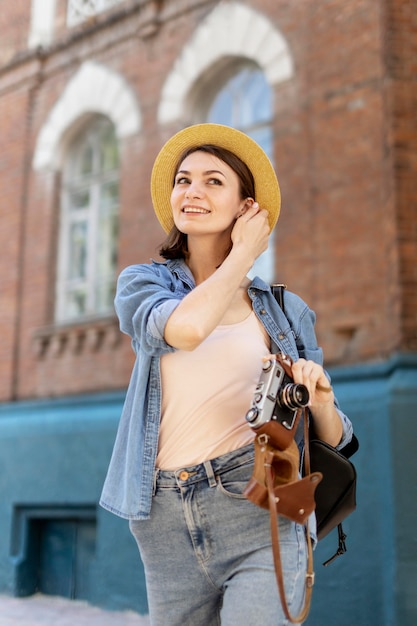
215,181
181,180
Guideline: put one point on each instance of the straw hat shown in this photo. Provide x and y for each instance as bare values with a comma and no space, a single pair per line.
267,192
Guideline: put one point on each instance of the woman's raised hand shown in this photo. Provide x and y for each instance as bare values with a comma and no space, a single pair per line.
252,230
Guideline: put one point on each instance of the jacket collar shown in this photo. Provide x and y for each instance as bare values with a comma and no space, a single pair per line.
181,269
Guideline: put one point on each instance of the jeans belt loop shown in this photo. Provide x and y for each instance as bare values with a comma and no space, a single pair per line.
210,474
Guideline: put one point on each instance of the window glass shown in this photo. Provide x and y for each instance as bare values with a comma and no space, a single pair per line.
80,199
85,162
80,10
89,224
245,102
77,266
109,156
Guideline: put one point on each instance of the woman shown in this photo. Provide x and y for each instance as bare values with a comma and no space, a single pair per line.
200,330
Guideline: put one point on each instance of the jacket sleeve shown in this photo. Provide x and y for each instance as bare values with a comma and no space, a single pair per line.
144,301
302,321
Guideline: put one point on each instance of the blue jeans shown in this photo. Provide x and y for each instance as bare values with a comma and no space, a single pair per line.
207,550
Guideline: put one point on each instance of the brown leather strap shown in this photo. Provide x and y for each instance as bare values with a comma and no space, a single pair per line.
302,616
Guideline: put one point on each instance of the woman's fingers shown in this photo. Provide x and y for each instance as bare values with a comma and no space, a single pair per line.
252,230
312,375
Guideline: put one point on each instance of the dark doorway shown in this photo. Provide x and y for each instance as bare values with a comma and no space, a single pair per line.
66,550
55,551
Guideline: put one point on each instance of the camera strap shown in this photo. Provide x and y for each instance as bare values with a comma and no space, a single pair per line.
314,480
277,486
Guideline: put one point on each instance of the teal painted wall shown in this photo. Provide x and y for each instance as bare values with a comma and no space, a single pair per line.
373,583
55,454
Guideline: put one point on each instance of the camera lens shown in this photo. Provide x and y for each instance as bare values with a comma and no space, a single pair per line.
293,396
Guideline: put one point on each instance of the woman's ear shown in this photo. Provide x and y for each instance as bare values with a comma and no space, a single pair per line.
246,204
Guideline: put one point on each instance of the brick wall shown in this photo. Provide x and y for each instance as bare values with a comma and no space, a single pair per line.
345,151
401,61
14,108
14,28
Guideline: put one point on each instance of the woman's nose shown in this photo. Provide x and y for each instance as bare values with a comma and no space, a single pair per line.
193,190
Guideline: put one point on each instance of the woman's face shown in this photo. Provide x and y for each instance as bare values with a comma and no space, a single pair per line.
206,195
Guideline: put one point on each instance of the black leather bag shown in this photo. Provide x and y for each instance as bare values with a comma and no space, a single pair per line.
336,493
335,496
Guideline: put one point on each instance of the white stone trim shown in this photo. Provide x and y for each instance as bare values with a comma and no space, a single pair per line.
42,18
93,89
232,29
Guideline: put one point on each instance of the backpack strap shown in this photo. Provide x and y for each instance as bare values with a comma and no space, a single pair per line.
278,293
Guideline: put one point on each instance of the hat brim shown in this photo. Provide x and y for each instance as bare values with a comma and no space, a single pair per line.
267,192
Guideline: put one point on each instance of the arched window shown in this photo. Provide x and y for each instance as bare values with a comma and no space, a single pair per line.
89,224
244,102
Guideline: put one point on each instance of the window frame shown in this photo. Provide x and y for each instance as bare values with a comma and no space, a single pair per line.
91,215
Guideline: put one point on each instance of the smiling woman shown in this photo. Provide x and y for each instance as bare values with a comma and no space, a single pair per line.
214,166
205,185
201,329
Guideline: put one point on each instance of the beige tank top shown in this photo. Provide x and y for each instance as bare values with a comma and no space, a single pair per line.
206,393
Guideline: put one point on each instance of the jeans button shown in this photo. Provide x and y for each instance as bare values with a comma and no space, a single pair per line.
183,475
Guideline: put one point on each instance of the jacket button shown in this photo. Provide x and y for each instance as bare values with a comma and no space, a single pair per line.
262,311
281,336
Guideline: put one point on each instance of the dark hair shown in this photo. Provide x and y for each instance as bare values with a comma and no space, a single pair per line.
175,245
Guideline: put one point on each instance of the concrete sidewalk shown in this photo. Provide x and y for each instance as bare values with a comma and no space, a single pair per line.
41,610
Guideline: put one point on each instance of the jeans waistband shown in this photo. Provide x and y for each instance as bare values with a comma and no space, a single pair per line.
204,471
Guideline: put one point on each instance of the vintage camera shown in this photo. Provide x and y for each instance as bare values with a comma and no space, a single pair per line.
276,396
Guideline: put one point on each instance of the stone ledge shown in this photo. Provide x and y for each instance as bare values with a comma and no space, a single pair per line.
90,335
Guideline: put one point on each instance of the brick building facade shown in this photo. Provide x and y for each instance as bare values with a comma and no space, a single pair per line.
341,78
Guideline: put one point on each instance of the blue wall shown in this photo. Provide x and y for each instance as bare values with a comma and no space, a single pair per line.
54,456
374,582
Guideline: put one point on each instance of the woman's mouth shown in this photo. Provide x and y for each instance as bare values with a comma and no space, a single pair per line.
193,209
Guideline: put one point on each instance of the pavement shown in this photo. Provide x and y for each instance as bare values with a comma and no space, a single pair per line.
42,610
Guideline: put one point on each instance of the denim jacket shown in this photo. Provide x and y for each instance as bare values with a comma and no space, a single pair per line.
146,296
